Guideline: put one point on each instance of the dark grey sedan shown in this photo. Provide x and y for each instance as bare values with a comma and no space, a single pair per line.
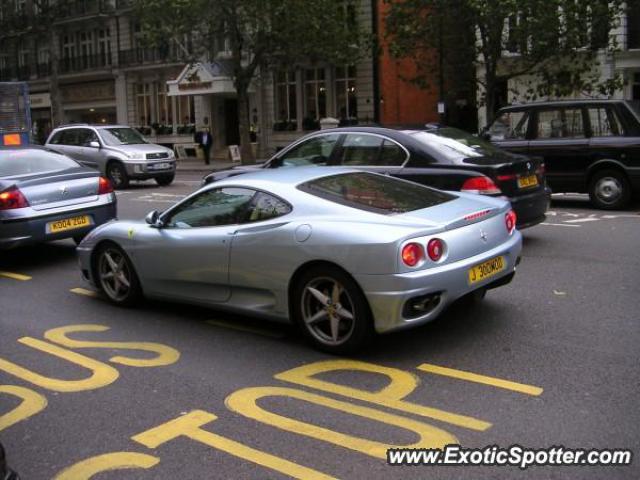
47,196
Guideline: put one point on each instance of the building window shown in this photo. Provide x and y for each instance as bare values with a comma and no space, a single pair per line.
185,113
286,101
315,98
68,50
143,104
104,47
21,7
23,56
86,49
346,98
43,55
163,106
633,25
635,87
4,66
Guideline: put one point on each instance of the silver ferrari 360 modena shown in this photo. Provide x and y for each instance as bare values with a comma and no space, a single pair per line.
340,252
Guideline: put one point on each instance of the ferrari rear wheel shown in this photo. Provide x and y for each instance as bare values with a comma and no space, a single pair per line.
116,276
332,311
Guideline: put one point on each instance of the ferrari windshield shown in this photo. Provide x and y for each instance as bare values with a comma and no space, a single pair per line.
375,193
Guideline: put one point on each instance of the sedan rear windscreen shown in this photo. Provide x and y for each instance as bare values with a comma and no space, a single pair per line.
26,162
375,193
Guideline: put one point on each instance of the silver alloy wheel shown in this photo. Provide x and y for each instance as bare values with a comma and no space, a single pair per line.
328,311
608,189
114,274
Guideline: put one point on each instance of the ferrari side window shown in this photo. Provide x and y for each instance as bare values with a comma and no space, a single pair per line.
223,206
266,207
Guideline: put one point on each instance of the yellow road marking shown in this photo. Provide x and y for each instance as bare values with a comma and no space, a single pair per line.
32,403
244,328
101,373
245,402
107,462
392,396
189,426
165,354
474,377
15,276
84,291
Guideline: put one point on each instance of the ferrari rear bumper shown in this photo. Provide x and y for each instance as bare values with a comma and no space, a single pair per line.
395,300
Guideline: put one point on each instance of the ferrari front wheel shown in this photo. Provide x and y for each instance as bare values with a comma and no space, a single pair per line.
116,276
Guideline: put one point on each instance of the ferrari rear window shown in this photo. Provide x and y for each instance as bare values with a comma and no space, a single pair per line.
375,193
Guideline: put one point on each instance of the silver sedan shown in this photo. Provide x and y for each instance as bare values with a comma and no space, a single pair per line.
47,196
341,253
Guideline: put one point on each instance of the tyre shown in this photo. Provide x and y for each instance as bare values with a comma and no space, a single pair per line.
117,174
116,276
165,180
331,310
609,190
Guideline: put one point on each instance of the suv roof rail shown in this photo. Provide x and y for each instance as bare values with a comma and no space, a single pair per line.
73,125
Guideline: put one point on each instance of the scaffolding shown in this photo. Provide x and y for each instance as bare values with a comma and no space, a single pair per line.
15,114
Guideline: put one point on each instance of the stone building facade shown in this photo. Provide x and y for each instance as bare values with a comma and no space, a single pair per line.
107,75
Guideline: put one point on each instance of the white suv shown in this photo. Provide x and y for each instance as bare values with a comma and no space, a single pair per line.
118,151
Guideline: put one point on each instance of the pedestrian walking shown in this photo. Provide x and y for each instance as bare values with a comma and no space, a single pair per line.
204,139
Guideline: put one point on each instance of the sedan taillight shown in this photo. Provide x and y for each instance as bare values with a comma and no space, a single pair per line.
483,185
12,198
510,221
104,186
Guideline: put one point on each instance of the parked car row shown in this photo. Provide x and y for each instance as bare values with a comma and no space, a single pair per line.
436,207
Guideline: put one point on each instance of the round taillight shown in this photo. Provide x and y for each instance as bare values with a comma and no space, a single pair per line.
412,253
435,249
510,221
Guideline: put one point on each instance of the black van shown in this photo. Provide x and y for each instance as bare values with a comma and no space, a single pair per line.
588,146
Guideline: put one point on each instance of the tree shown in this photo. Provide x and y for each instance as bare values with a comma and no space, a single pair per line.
554,43
47,14
261,34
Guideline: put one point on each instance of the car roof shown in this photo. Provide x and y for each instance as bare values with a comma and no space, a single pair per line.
288,177
83,125
561,103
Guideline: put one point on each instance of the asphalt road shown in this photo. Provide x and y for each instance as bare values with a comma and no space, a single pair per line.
201,394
